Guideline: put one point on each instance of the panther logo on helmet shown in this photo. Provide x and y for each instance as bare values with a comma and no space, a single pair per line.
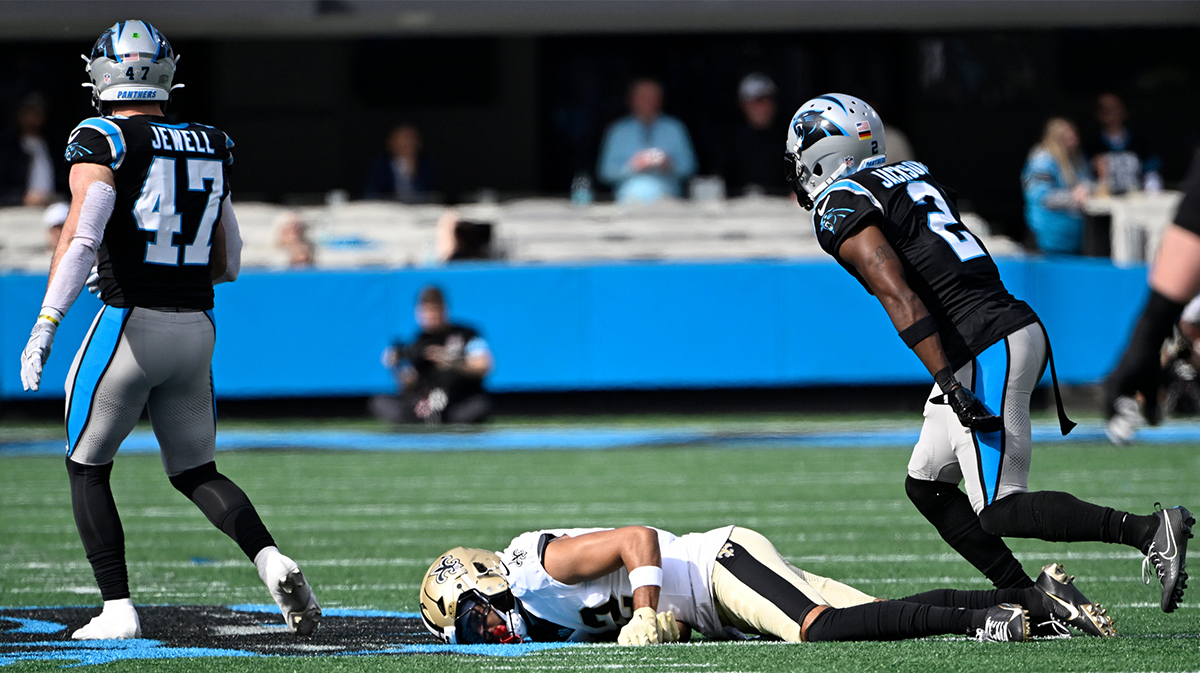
820,150
811,126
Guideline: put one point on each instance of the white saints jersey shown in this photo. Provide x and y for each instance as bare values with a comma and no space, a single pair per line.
588,610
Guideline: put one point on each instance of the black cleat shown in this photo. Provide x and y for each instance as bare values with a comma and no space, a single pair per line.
1062,602
1167,554
1004,623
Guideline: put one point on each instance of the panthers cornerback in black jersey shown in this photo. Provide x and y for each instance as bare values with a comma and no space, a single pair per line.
898,231
945,264
171,182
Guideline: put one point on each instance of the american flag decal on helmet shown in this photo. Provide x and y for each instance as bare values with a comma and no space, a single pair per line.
864,130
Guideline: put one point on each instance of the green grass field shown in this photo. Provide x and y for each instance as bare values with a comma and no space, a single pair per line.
365,526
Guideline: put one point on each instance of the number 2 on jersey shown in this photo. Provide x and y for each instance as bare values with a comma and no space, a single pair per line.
941,222
155,210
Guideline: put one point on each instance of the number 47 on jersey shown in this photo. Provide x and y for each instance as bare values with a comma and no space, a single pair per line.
156,209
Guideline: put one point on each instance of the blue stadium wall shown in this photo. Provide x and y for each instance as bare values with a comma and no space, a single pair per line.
610,326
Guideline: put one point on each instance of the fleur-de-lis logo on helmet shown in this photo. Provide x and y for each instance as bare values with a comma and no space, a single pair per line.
446,568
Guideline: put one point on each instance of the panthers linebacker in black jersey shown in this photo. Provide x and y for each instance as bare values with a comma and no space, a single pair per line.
898,231
150,206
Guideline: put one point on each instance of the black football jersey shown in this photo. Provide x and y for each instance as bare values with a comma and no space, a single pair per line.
946,265
171,181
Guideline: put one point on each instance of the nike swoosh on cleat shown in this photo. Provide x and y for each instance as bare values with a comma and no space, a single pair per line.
1172,546
1069,606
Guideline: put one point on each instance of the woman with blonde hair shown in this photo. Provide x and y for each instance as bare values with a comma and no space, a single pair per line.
1056,182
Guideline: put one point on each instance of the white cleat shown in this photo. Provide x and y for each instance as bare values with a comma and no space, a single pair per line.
291,591
118,621
1126,421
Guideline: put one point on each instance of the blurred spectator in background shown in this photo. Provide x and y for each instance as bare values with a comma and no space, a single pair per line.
1116,154
292,238
1056,184
1131,390
647,155
54,218
440,374
403,173
459,239
751,158
26,169
898,147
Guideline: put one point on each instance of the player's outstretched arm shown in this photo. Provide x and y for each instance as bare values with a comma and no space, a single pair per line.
92,200
572,560
869,252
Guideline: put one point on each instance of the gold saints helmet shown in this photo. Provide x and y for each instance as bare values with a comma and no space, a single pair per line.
466,599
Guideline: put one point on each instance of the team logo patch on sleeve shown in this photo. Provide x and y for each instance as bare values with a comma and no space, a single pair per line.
830,219
75,150
864,130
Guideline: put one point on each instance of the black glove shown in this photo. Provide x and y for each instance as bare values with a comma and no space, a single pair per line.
970,411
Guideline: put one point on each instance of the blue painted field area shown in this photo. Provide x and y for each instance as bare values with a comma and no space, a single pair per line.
251,630
592,438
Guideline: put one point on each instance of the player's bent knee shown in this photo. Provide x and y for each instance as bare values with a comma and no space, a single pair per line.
924,493
997,517
188,481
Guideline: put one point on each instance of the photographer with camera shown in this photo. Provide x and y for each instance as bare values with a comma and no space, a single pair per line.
440,374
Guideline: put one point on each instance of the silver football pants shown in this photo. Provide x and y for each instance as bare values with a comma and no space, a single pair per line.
134,359
993,464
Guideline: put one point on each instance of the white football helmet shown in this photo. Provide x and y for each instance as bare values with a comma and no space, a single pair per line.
831,136
131,62
466,599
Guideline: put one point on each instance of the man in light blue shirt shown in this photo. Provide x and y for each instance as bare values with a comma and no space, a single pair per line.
647,155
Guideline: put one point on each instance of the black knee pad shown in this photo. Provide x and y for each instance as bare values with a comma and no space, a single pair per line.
996,517
188,481
928,494
225,505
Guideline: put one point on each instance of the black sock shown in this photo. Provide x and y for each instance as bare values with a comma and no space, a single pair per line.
1061,517
1139,369
892,620
949,510
1133,529
226,506
971,600
99,527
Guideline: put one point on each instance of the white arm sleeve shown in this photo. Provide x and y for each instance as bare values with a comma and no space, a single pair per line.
233,244
76,263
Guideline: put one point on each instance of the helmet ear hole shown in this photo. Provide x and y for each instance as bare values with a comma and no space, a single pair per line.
817,170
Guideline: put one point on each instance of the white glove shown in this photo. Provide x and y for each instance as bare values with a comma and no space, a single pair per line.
668,628
93,281
641,630
37,350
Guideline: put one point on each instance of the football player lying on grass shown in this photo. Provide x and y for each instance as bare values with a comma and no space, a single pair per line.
642,586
